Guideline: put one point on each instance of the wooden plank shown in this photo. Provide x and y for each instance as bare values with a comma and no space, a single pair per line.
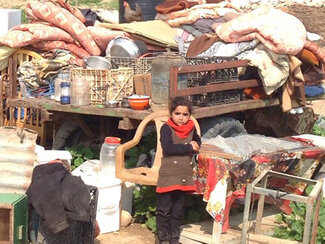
258,239
50,105
4,226
199,112
213,151
212,66
128,124
225,86
211,111
201,237
142,84
185,240
296,178
280,194
2,82
10,76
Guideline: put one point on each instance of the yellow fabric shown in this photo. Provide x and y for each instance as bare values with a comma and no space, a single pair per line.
295,79
154,31
5,53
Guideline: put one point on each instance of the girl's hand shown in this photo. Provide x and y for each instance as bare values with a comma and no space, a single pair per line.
195,146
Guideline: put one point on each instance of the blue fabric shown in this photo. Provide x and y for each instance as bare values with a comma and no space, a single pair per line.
312,91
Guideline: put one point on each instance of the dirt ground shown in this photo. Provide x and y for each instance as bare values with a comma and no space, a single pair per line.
318,107
134,233
312,17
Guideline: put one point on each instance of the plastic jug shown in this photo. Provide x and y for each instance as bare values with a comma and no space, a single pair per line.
80,91
108,154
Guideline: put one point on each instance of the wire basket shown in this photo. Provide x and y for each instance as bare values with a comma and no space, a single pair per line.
78,231
106,85
139,65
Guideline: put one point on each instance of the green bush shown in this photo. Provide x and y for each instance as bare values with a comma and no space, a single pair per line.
82,153
292,226
145,206
319,126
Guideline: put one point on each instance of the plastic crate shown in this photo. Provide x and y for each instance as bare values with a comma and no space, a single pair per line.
106,85
211,77
215,98
139,65
78,231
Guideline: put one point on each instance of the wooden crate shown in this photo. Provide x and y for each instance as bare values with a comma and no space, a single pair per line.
106,85
13,218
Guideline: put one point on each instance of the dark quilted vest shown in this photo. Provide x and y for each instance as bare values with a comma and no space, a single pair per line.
176,170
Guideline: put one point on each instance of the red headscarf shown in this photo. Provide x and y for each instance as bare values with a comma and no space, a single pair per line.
182,131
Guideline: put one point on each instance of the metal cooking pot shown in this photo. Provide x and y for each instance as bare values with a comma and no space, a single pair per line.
97,62
123,47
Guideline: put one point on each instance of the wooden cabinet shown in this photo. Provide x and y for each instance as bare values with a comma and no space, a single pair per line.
13,218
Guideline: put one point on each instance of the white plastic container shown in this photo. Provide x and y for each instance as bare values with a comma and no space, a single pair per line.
9,18
109,194
44,156
108,206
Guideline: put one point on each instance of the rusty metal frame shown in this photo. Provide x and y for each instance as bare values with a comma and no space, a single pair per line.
175,71
314,197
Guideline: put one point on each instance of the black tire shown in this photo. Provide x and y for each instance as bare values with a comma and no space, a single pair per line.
223,126
66,130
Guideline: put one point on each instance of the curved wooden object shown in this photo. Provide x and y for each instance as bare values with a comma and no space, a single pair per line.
143,175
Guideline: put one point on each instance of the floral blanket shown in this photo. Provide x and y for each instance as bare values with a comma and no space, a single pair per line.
202,11
216,177
267,25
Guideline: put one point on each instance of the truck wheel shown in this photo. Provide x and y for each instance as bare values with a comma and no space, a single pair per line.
223,126
65,131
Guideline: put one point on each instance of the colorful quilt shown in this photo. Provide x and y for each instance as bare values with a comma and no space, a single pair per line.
267,25
217,177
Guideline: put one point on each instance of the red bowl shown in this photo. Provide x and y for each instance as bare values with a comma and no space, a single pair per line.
139,102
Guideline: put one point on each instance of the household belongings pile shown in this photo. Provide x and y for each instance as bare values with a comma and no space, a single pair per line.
281,54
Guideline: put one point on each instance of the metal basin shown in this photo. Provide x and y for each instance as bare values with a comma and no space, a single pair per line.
97,62
123,47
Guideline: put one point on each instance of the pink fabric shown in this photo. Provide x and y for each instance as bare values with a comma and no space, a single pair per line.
72,9
50,45
190,15
103,36
280,32
26,34
65,20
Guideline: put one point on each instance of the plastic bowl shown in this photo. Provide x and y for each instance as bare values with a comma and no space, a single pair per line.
139,102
